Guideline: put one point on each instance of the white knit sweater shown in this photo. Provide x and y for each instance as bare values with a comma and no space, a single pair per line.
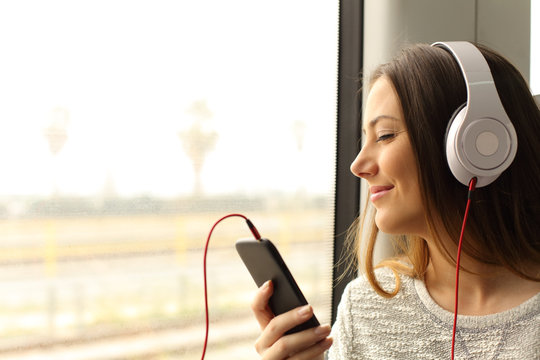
412,326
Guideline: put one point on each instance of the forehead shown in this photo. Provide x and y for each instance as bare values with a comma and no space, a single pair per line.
382,103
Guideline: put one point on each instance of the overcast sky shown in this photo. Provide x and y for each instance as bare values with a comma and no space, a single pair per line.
127,72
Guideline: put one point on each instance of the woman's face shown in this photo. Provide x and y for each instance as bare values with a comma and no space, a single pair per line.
387,162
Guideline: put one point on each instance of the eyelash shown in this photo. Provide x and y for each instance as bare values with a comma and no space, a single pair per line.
385,137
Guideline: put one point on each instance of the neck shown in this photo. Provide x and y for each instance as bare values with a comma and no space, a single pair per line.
483,288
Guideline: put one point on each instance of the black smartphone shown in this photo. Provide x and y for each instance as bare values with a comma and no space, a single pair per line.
264,262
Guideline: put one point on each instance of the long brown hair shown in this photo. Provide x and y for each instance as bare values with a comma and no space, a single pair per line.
505,218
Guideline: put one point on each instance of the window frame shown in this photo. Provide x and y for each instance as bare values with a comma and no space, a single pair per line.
349,135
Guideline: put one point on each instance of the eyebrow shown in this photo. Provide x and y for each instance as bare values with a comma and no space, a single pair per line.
373,121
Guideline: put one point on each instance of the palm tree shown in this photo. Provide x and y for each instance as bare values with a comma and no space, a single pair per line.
56,135
198,140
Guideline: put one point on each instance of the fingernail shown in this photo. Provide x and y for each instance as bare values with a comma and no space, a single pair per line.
266,285
304,311
326,343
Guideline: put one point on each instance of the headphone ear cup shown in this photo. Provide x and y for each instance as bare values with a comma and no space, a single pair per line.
451,142
454,114
481,148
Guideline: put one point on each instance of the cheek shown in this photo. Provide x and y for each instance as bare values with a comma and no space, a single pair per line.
399,165
404,212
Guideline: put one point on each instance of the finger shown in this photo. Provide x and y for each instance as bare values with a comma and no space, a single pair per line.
277,327
314,352
307,344
260,307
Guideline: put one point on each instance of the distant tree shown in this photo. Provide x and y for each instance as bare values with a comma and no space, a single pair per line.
299,131
198,140
56,135
56,132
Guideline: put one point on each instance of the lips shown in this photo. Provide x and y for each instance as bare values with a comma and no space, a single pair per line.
379,191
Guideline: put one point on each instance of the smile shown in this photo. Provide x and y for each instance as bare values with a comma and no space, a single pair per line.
379,191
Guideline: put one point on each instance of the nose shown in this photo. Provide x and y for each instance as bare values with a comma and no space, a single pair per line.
364,166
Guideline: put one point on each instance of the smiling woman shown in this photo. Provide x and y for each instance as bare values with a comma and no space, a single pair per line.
416,198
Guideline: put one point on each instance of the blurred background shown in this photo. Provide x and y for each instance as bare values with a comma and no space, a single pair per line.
127,128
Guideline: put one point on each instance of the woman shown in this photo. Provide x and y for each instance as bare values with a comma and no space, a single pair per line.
404,309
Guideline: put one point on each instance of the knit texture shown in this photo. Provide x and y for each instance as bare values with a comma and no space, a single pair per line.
412,326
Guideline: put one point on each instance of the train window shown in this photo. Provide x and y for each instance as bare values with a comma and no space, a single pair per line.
127,129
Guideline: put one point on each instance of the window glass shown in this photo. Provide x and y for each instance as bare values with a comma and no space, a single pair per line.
127,128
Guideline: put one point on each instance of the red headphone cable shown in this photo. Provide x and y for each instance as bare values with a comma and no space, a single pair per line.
472,185
257,236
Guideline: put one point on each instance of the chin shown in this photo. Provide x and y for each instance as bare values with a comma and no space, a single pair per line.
395,225
384,225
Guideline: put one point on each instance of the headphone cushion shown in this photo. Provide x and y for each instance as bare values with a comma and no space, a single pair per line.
454,115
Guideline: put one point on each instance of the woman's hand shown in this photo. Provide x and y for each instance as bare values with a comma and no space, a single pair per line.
274,345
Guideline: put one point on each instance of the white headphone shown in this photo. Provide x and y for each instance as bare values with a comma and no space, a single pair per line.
481,141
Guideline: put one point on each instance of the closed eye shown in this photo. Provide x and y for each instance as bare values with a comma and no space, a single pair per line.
385,137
